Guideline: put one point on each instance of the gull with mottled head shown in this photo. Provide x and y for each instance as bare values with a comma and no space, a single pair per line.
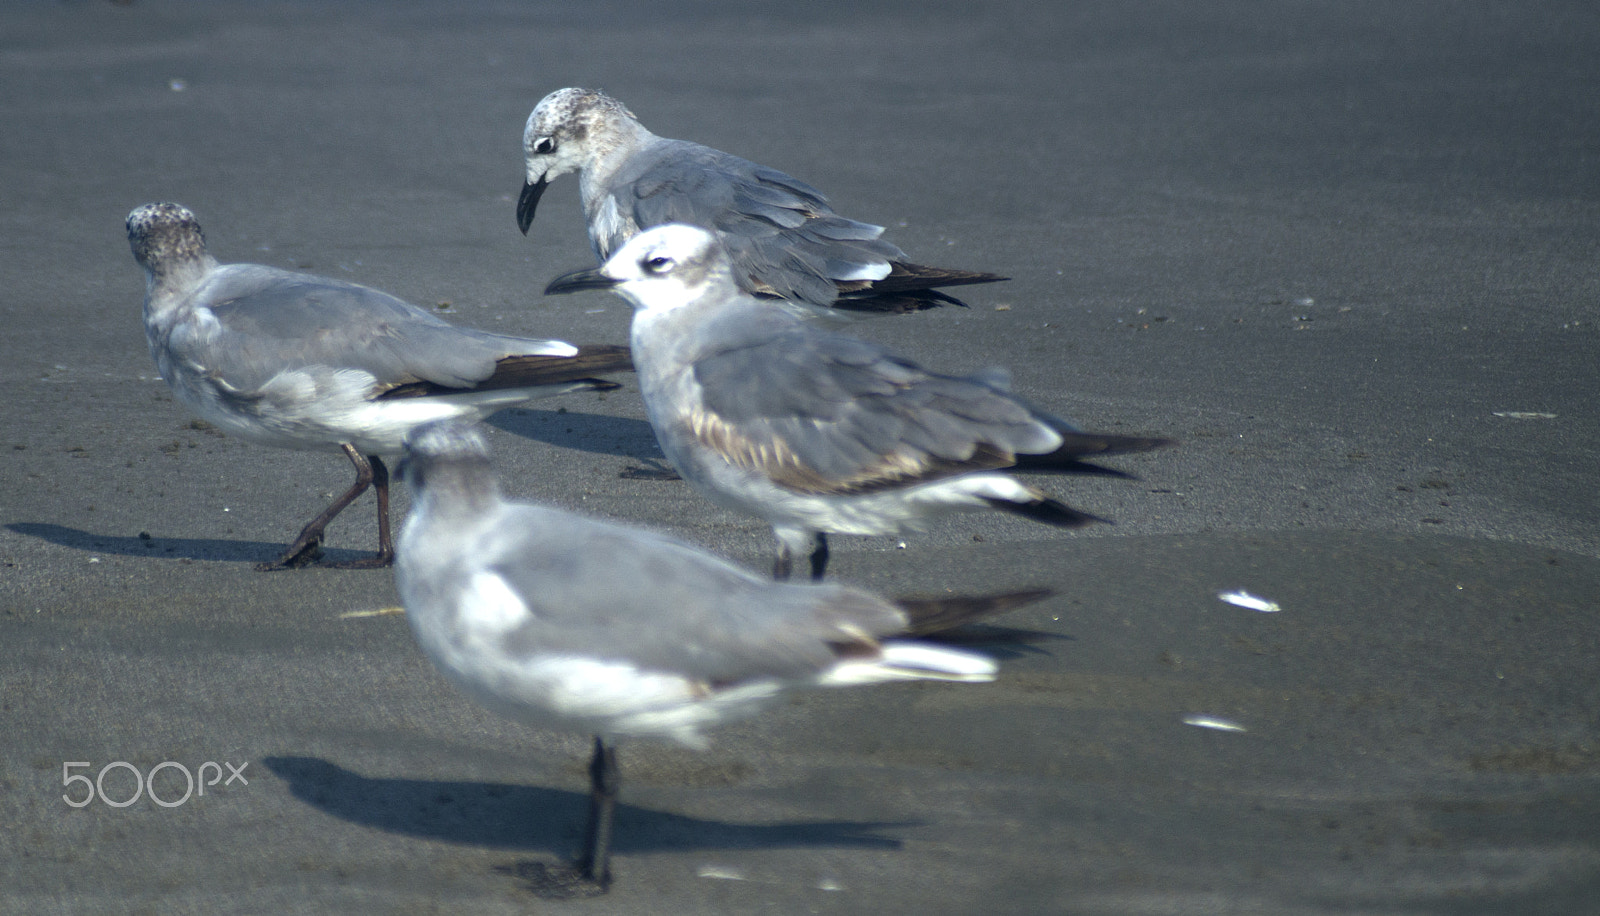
783,239
306,362
818,432
568,622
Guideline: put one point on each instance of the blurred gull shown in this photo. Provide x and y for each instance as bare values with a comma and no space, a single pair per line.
306,362
559,620
818,432
784,239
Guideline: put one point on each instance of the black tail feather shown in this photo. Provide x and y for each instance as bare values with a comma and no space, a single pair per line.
935,615
1086,445
1068,465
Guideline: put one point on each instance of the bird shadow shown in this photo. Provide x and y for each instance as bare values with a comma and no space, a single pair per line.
518,817
146,545
596,434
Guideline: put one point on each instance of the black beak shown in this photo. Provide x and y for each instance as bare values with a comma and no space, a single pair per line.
529,202
579,280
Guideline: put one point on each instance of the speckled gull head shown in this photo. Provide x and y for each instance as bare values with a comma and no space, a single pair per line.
567,130
163,235
658,270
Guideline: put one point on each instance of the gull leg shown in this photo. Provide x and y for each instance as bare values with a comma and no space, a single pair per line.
308,545
380,484
819,557
792,542
385,554
604,779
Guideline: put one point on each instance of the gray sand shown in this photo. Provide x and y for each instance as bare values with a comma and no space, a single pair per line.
1346,254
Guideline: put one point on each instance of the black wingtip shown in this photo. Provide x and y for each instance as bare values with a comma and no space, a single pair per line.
909,288
895,303
903,275
946,612
1069,465
578,372
1076,447
590,360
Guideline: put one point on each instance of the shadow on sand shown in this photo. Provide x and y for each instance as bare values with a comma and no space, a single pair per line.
596,434
527,818
145,545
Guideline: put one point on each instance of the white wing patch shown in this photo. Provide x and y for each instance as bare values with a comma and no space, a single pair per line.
618,698
553,348
584,686
489,603
608,228
866,272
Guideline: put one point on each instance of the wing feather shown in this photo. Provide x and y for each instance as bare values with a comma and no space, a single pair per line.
825,414
783,237
270,320
699,616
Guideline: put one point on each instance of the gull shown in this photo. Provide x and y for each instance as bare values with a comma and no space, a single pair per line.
817,432
785,241
562,621
305,362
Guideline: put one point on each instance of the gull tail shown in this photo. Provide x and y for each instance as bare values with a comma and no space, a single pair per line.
930,615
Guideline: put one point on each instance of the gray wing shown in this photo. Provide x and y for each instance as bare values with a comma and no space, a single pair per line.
781,234
598,589
824,413
272,320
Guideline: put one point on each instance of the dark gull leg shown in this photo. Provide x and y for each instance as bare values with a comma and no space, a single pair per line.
819,557
385,554
792,542
604,779
308,545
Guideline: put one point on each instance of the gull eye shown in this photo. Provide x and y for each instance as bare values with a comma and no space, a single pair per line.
544,146
657,265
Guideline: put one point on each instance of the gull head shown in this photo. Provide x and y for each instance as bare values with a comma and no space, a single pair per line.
567,131
658,270
164,236
449,455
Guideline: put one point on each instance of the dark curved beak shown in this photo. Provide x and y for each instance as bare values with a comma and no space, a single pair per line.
529,202
579,280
